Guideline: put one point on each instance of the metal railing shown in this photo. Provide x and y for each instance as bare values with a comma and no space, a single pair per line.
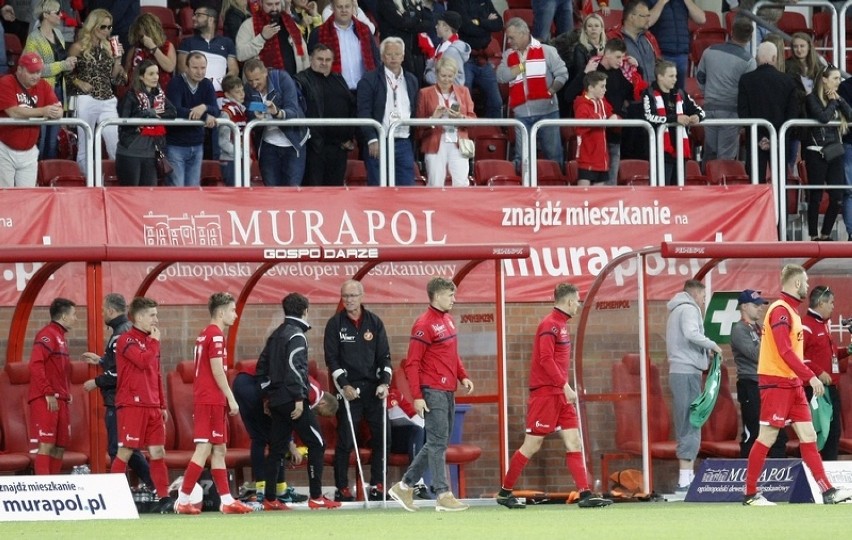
98,147
464,122
38,122
330,122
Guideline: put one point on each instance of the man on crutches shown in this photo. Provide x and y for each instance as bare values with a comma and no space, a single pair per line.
357,355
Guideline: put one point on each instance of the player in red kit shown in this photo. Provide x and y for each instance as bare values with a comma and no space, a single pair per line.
213,402
550,407
50,378
139,398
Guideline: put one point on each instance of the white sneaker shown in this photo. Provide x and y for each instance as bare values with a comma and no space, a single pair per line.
757,500
836,495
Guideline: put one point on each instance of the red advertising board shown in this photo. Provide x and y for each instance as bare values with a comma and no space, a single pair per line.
573,234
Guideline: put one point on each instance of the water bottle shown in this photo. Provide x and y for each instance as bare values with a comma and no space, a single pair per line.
80,469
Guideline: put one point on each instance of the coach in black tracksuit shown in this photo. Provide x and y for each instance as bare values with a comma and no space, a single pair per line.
357,355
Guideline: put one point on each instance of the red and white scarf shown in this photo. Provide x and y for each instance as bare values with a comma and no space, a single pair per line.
328,36
271,51
531,82
443,46
667,140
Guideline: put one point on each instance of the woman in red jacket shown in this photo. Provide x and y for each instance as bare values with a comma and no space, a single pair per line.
440,144
592,153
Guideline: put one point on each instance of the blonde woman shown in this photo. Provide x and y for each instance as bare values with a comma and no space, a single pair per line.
148,40
98,68
825,105
590,43
47,40
234,13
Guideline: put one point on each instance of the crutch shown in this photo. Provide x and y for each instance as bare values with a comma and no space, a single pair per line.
385,452
354,442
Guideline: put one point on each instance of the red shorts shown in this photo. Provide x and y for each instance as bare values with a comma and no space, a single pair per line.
50,427
780,406
140,427
546,414
210,424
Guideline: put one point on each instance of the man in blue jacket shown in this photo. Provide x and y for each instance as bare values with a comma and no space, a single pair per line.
387,94
272,95
670,25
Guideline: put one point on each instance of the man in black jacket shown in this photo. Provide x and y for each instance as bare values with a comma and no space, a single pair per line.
327,96
115,315
357,355
282,371
479,20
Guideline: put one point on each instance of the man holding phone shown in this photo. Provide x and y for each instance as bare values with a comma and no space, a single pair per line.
272,35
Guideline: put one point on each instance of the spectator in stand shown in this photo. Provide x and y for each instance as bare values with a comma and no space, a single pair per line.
123,13
479,21
272,94
440,144
410,21
148,41
825,105
359,14
665,104
718,75
234,14
327,96
451,47
535,74
777,106
351,43
546,13
825,360
272,35
48,42
641,43
219,50
233,109
386,94
576,47
670,24
804,66
194,98
778,41
307,16
592,154
13,25
50,386
845,92
98,69
136,155
18,152
115,316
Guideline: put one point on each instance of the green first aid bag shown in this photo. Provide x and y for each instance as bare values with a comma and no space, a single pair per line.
700,409
822,411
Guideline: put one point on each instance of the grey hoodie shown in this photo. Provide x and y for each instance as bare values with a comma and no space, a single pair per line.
686,344
458,51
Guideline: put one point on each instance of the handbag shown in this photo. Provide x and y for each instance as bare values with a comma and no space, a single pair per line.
467,148
164,168
833,151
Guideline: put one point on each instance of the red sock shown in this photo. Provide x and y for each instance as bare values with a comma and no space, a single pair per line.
42,464
190,477
574,461
220,479
516,467
811,457
55,465
756,459
160,476
119,466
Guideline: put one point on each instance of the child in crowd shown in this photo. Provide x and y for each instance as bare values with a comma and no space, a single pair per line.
592,152
234,110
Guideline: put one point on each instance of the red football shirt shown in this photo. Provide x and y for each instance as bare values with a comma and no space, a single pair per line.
12,94
209,344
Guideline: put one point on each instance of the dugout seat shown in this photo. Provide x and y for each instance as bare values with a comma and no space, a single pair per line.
720,434
15,445
845,388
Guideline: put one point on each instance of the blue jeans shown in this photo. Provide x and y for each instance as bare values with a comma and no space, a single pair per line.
403,173
544,14
486,80
682,63
281,165
846,204
549,139
433,455
229,173
186,164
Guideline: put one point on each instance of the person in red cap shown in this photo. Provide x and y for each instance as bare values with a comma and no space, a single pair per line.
24,95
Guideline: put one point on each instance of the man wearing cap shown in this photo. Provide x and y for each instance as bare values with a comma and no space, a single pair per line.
450,46
24,95
825,360
745,344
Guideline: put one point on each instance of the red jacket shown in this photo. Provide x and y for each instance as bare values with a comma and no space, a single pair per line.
551,355
592,152
50,366
433,358
139,383
819,347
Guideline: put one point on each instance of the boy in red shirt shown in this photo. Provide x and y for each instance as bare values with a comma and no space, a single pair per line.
592,152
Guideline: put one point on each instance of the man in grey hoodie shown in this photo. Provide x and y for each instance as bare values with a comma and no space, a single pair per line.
686,346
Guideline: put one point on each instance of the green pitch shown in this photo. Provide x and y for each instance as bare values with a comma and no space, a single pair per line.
628,521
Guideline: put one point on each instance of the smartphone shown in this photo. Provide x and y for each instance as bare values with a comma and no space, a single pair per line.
256,106
455,107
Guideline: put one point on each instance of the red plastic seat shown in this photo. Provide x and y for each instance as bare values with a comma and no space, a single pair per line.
109,177
14,49
180,445
549,173
356,173
211,173
572,172
491,171
726,172
692,175
711,20
634,172
14,386
59,172
793,21
166,16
